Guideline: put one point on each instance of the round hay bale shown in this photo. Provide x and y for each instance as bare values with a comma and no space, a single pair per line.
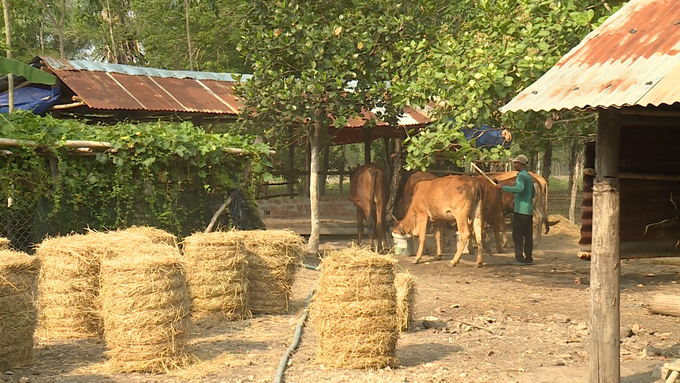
406,291
114,243
154,234
217,274
145,307
273,258
18,309
354,310
4,244
69,288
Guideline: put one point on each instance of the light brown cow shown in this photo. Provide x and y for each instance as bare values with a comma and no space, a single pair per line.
540,202
369,191
447,199
405,201
492,212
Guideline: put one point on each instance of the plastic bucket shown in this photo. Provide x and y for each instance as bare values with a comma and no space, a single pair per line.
403,244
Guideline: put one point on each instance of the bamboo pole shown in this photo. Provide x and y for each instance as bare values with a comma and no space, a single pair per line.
604,271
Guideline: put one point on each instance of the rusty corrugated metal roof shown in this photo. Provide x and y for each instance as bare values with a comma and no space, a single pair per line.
630,60
104,86
123,87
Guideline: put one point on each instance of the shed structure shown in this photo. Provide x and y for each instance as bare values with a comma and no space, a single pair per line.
628,72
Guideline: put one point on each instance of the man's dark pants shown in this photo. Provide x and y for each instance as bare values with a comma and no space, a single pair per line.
523,236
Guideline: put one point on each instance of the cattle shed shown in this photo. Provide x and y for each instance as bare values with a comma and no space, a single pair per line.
628,72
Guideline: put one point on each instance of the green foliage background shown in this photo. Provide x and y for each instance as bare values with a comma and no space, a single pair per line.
171,176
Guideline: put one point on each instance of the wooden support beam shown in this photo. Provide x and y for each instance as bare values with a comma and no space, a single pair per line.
604,269
367,146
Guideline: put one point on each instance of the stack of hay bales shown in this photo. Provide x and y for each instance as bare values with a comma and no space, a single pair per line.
154,234
18,311
145,306
273,258
69,287
217,274
406,291
354,310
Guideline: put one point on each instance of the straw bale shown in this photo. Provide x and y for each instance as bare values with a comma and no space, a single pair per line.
356,324
145,306
273,257
114,243
4,244
18,309
217,274
68,283
154,234
406,291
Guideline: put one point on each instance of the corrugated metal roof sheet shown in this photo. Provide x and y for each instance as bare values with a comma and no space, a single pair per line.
104,86
630,60
123,87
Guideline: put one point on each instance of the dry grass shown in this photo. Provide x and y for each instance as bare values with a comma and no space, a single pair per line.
406,293
564,227
18,309
354,310
145,307
4,243
69,285
273,257
217,274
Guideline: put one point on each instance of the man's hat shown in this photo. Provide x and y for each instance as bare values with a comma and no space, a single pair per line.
522,159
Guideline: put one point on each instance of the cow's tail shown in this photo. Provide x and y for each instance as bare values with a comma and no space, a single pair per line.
545,213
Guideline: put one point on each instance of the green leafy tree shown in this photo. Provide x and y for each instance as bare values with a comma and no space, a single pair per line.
318,63
481,53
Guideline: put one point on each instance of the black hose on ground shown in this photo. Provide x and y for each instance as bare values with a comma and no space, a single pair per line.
296,340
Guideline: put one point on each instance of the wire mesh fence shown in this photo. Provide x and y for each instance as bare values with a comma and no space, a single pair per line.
560,199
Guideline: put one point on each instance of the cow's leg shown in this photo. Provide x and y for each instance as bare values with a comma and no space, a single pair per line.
478,226
504,233
496,228
380,228
463,236
438,234
422,232
360,225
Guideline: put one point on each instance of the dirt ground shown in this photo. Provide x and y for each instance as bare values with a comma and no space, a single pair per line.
503,322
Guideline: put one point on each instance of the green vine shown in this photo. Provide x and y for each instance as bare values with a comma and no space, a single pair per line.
165,175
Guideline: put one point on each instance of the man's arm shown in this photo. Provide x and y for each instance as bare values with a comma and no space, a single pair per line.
518,188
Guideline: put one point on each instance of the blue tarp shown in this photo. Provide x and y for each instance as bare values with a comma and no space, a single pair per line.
31,98
486,137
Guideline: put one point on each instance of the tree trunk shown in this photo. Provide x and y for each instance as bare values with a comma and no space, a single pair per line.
572,161
191,57
546,168
324,171
314,190
574,180
8,40
114,53
308,160
291,162
396,176
605,273
60,29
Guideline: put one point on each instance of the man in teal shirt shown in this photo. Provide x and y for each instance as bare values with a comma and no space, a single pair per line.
523,216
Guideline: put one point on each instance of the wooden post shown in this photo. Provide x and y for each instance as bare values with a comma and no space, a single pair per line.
367,146
604,268
291,162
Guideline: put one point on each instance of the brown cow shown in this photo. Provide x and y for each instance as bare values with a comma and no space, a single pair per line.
540,201
369,190
492,212
447,199
405,201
